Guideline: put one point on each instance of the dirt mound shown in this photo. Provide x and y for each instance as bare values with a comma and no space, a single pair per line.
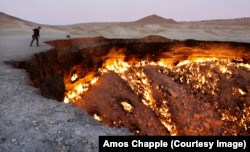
155,38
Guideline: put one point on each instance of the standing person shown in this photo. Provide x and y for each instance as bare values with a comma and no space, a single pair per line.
36,36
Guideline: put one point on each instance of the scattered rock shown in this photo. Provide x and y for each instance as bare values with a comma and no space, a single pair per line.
60,139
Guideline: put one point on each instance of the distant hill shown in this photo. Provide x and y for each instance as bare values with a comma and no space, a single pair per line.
10,25
8,21
155,19
238,21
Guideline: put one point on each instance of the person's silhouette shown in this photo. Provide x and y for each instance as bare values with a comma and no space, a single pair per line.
35,36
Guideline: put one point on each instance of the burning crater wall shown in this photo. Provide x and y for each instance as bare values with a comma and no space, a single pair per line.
153,86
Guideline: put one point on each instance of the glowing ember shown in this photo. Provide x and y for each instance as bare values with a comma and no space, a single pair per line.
97,117
74,77
94,80
128,107
242,92
66,100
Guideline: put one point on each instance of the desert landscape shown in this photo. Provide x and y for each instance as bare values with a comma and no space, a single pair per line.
152,76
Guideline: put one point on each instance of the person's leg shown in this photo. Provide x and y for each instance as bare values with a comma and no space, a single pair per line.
32,41
37,41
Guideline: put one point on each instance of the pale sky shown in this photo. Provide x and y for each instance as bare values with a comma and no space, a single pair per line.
61,12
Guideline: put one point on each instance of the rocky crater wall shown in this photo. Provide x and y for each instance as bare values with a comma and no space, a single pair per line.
176,102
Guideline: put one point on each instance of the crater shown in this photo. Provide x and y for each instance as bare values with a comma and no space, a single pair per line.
152,85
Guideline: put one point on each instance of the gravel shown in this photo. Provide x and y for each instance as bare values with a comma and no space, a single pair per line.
30,122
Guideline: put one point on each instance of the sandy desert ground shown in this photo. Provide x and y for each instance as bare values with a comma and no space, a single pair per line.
30,122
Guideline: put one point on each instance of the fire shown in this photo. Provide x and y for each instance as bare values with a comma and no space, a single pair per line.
241,91
97,117
74,77
117,66
94,80
201,73
165,117
79,87
242,121
66,100
128,107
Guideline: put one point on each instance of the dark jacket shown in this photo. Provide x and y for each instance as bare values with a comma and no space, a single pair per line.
36,32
